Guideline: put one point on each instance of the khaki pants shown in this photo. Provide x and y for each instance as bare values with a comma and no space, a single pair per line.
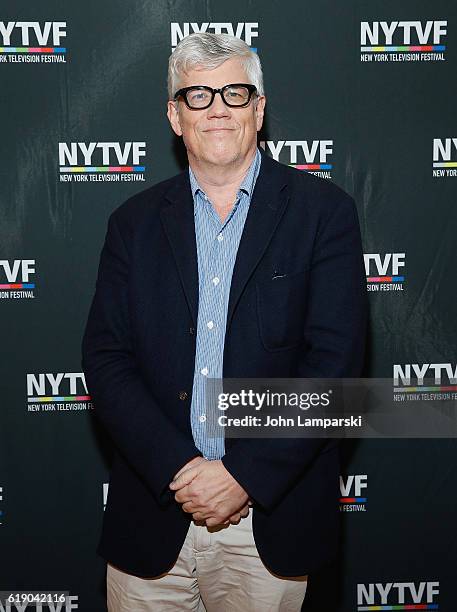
218,570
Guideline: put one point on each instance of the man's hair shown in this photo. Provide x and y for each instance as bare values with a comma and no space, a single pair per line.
209,51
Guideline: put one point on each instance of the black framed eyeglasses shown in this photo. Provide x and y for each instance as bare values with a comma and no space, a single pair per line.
199,97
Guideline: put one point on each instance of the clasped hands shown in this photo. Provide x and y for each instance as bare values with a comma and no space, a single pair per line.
209,492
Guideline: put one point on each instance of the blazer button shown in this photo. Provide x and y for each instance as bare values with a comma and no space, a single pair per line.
182,395
191,331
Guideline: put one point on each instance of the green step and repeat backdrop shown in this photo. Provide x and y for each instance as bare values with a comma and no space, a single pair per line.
360,93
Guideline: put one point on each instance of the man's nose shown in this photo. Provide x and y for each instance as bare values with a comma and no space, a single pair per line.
218,108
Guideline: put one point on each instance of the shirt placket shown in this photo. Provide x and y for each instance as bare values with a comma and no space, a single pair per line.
210,323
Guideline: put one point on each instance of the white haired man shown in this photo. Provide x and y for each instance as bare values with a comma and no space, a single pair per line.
238,267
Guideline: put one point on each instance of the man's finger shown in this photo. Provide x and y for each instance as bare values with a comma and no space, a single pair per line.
190,506
187,507
200,516
184,479
182,496
185,468
212,522
235,518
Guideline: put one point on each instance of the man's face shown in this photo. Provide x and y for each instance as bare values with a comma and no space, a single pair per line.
220,134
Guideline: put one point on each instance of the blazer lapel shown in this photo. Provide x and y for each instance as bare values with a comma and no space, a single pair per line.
179,226
267,206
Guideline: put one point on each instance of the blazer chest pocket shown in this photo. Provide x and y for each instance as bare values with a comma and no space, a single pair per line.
281,306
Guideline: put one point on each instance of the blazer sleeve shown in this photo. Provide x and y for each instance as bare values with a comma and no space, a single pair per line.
335,329
139,427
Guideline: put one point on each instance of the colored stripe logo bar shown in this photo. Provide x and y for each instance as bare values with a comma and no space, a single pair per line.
421,48
385,279
33,50
416,389
18,286
445,164
312,166
352,500
399,607
103,169
60,398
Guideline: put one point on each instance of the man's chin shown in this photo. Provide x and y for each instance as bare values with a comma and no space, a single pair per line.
223,158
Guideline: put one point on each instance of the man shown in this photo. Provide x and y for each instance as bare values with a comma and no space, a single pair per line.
238,267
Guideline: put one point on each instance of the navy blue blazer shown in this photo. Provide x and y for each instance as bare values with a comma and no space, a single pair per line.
139,351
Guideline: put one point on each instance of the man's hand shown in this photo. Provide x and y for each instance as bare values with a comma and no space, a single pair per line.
234,518
210,493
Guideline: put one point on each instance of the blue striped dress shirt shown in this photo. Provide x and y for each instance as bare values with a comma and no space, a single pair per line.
217,246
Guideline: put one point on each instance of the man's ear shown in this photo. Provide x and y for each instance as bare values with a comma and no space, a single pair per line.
260,111
173,117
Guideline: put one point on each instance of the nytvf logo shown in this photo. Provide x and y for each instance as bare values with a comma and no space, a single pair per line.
102,161
353,492
244,31
384,272
57,392
389,40
411,378
16,278
32,41
50,602
444,157
416,596
311,155
417,373
32,33
404,32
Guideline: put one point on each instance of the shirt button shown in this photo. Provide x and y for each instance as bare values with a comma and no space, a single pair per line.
202,418
182,395
216,280
210,325
204,371
220,237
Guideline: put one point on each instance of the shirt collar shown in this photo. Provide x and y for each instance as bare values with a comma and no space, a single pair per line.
247,184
